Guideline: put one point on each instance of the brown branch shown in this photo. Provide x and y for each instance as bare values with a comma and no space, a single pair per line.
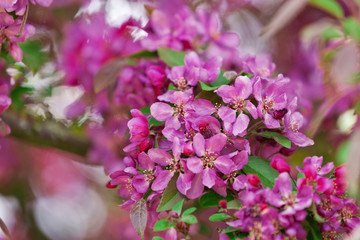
46,133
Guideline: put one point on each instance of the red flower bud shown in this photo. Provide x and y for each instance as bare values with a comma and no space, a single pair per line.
280,165
109,185
254,180
223,204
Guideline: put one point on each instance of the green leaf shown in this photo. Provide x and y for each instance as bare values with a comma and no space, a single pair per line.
33,55
231,236
189,211
282,140
177,208
234,204
262,168
313,229
163,224
221,80
330,33
145,110
171,196
231,229
211,199
352,28
171,57
329,6
171,87
218,217
189,219
17,95
157,238
155,122
138,216
144,54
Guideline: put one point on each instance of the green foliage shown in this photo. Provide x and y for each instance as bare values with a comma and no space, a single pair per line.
221,80
282,140
352,28
330,33
157,238
234,204
211,199
261,168
171,57
152,121
143,54
17,94
329,6
230,229
138,216
171,196
189,211
312,228
189,219
33,55
163,224
218,217
178,207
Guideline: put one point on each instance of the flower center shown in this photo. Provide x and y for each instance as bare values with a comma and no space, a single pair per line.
208,159
181,84
294,127
268,103
238,104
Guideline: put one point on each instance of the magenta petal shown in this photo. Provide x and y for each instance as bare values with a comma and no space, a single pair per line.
283,184
326,168
145,161
5,102
194,164
241,159
161,111
197,187
16,52
224,164
240,182
229,39
243,87
140,183
199,144
324,184
159,156
162,180
197,74
203,107
252,109
183,182
299,139
192,60
227,114
209,177
241,124
216,143
227,93
159,23
213,66
271,122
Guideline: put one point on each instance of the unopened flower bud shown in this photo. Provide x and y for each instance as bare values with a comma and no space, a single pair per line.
254,180
279,164
109,185
223,204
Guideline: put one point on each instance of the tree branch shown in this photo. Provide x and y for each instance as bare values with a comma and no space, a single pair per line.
46,133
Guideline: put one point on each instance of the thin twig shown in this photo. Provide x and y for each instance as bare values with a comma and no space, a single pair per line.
24,20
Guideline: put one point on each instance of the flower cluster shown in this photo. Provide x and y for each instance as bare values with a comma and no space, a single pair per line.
279,213
14,29
203,133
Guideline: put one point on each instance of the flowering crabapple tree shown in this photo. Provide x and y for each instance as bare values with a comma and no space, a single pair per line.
191,129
